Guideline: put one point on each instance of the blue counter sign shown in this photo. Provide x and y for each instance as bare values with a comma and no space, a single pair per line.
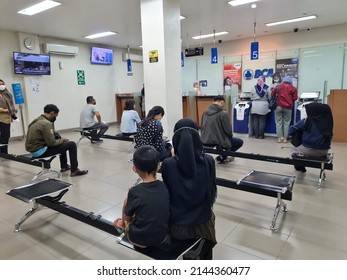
254,50
214,56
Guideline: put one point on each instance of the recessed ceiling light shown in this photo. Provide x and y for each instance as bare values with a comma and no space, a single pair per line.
241,2
210,35
102,34
40,7
291,20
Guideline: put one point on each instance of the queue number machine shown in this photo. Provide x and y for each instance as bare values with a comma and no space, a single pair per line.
241,113
304,99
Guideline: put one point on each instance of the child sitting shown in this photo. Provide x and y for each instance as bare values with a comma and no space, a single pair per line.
146,210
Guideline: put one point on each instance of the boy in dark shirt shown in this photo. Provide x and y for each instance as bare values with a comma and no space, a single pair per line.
146,210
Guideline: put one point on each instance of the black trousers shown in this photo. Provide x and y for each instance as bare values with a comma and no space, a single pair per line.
62,149
4,136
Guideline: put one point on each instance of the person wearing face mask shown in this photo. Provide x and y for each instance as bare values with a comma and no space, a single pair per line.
276,80
41,141
87,120
7,114
261,95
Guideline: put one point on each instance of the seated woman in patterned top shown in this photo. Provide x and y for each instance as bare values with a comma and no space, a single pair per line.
150,132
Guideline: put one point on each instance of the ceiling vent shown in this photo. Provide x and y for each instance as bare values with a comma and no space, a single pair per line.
60,49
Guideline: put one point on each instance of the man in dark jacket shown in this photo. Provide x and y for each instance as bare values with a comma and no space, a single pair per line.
43,141
216,129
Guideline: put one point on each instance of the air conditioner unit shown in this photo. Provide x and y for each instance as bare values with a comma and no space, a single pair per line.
60,49
133,57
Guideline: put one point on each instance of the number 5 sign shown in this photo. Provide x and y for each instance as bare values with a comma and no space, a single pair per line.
254,50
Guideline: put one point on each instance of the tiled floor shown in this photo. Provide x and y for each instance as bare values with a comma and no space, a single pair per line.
315,227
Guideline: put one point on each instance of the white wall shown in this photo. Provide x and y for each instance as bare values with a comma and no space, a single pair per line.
61,88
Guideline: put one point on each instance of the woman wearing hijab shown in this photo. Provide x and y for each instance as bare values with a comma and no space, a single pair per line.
286,95
316,132
7,114
260,107
190,177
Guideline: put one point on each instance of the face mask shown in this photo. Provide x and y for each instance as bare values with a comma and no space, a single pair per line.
54,119
2,87
276,80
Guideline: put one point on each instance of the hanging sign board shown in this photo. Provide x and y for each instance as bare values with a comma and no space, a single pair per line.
194,51
254,50
129,67
153,56
214,55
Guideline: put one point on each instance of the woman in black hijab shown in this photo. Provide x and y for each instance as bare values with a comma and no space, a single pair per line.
190,177
316,132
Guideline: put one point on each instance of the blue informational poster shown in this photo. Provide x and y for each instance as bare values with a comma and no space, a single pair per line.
182,59
17,94
214,56
254,50
130,69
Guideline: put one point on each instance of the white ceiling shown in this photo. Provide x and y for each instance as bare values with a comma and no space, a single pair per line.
76,18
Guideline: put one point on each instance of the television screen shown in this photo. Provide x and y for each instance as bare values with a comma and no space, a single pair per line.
32,64
101,56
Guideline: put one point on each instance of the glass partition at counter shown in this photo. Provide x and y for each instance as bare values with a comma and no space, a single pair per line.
320,68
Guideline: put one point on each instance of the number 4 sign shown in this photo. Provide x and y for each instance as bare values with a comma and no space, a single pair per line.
214,56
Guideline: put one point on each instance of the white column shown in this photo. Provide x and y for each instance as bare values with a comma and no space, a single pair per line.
161,31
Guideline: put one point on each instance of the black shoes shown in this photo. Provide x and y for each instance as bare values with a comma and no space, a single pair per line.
221,160
300,168
78,172
68,167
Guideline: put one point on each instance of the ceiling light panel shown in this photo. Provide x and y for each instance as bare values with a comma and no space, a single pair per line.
241,2
210,35
99,35
40,7
291,20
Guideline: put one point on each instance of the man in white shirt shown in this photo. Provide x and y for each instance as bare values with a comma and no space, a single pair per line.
87,120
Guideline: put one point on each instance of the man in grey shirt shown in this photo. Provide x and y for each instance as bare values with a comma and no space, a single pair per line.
88,122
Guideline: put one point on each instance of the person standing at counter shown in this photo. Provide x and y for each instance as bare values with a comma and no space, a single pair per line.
286,96
260,107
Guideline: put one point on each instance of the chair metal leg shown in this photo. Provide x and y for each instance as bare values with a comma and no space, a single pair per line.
36,207
322,178
52,174
279,204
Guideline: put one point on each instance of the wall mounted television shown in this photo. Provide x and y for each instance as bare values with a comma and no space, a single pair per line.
31,64
101,56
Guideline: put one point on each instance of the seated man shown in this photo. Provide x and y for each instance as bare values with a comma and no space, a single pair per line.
216,129
88,122
43,141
